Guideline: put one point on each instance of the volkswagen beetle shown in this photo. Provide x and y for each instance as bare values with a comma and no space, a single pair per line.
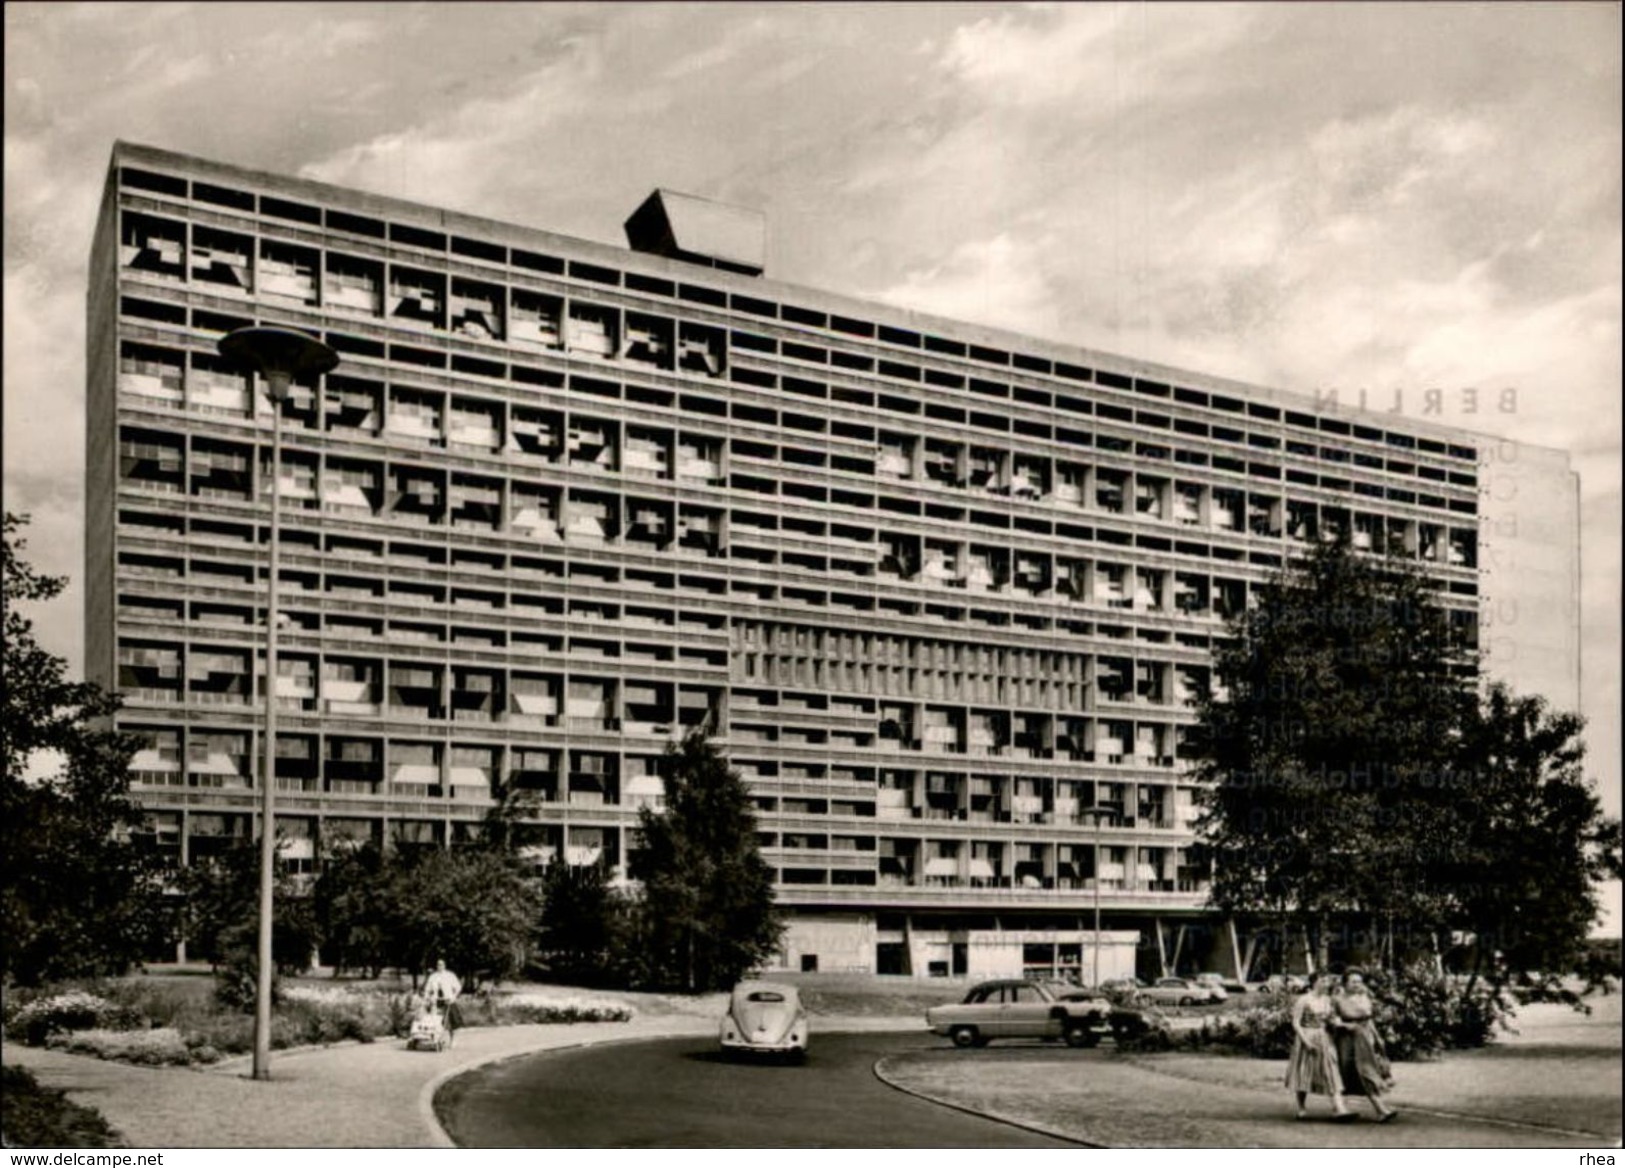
765,1017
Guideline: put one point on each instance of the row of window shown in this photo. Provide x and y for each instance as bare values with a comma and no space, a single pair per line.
416,415
306,842
353,281
551,512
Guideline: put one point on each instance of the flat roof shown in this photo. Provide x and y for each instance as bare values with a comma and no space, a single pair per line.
759,287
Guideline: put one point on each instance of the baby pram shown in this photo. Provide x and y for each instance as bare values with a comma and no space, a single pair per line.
431,1026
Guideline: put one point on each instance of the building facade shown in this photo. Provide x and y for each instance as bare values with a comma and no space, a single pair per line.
938,590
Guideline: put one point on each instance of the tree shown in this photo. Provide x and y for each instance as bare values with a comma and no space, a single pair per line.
1352,772
707,893
79,893
1330,712
474,907
355,909
1529,843
586,924
220,921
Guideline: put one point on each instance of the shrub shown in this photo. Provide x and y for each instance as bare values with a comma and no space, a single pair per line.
523,1013
519,1009
35,1021
1418,1015
32,1116
1421,1014
165,1048
1140,1029
1263,1031
308,1023
398,1014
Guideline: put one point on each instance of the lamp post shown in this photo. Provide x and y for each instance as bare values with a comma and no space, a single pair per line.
278,355
1097,813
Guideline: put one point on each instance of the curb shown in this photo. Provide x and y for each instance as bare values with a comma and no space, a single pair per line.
1024,1125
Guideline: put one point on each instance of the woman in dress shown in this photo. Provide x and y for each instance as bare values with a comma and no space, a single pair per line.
1361,1059
1312,1067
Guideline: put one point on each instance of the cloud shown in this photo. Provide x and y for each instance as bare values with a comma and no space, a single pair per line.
997,281
1044,55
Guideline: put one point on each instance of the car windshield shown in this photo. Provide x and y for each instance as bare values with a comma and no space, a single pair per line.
764,996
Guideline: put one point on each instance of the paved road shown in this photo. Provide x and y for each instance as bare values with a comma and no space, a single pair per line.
681,1093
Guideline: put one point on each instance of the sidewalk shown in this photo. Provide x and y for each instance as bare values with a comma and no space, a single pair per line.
373,1095
1555,1084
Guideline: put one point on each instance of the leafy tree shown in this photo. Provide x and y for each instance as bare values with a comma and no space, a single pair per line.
587,923
221,921
1329,716
355,909
707,893
79,893
1352,772
475,907
1529,843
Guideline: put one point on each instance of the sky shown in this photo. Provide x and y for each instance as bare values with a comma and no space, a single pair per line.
1310,196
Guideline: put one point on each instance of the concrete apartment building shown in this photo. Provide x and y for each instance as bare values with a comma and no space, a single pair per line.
938,589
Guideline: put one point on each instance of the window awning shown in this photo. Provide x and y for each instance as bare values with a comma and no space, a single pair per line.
416,773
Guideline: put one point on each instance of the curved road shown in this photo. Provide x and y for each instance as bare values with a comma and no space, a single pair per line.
681,1093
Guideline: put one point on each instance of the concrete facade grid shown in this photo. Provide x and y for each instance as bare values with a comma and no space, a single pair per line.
938,590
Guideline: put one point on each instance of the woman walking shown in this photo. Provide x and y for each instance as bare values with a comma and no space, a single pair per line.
1312,1067
1361,1060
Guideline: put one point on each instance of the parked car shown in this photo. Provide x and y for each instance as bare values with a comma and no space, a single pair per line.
1217,981
1130,1017
764,1017
1121,989
1181,991
1020,1008
1283,983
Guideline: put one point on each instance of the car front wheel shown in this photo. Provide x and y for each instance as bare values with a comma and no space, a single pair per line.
965,1036
1078,1034
1187,1001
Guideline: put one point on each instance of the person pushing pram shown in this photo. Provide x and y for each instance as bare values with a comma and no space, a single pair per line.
437,1025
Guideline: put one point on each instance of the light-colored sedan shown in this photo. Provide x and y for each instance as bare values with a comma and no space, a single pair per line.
1019,1008
1180,991
765,1017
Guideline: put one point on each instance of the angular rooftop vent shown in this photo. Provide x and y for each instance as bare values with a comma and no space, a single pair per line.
699,231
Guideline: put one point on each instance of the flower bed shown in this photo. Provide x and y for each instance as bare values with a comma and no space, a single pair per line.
148,1048
33,1021
160,1023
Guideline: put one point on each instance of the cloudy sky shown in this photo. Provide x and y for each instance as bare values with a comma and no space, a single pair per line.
1303,196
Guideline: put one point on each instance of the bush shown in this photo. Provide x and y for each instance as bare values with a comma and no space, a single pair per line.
1418,1015
1263,1031
1421,1014
33,1022
521,1013
153,1048
32,1116
1140,1029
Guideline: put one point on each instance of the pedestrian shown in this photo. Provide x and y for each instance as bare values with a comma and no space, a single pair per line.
1362,1060
1312,1067
441,989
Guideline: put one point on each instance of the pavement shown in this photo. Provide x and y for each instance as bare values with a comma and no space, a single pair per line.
1557,1084
349,1095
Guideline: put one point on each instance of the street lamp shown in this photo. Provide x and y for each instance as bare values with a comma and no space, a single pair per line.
1098,813
278,355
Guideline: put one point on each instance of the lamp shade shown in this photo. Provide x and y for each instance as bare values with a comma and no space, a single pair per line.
271,351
